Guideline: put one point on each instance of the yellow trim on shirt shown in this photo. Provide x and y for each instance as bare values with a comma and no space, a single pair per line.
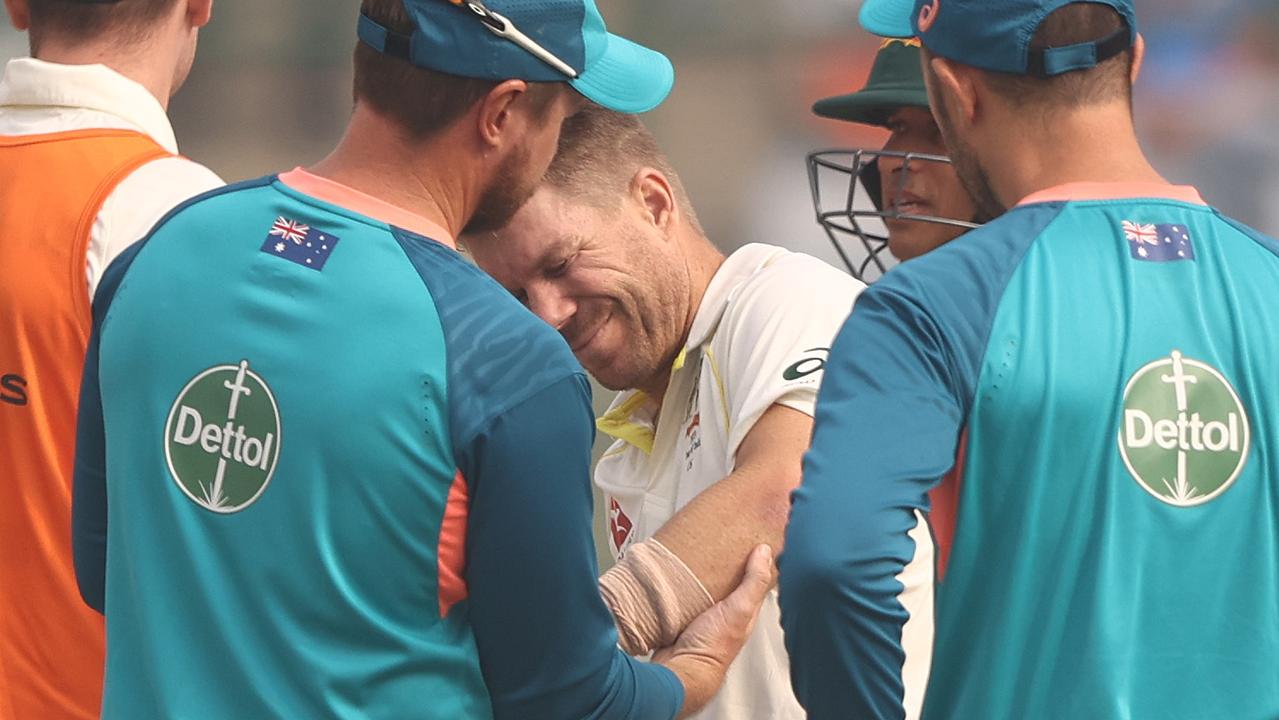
618,423
679,361
719,383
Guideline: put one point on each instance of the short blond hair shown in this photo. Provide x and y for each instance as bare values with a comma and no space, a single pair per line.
599,153
422,101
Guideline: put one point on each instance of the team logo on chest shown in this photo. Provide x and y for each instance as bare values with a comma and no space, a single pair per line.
1184,434
222,438
692,425
619,525
692,440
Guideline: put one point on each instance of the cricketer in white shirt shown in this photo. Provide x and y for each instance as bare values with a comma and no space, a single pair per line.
719,361
759,339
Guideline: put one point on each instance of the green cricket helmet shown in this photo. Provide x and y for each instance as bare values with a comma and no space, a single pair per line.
846,183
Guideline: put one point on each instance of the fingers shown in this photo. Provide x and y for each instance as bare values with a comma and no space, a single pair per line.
761,571
743,603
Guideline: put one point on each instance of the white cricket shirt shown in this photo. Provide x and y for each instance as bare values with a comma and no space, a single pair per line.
760,338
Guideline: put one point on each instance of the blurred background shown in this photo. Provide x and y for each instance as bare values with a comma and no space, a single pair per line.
271,90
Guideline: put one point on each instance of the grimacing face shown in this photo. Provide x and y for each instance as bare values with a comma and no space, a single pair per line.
522,169
929,188
606,279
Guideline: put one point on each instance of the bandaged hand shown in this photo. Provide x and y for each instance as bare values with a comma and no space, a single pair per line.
653,596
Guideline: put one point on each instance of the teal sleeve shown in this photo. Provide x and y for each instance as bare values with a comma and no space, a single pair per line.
882,438
548,646
522,429
898,389
89,489
89,478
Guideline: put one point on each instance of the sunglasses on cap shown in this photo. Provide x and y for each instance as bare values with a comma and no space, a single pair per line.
397,44
500,26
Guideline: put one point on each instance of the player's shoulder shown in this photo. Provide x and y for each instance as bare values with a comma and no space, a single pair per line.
174,174
1268,242
775,281
498,352
217,198
476,306
782,271
975,266
194,214
783,303
950,296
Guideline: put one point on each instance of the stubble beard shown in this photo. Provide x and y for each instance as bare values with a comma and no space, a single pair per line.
505,195
968,166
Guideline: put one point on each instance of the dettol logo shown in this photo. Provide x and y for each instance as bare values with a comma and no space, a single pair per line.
222,438
1184,434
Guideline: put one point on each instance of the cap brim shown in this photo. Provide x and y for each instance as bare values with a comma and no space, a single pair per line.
888,18
871,107
628,77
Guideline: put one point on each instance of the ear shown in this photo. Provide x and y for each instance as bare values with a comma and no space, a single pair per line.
496,117
954,88
19,14
1138,57
199,12
652,190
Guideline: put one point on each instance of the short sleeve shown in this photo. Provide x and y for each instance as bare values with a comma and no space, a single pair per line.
774,340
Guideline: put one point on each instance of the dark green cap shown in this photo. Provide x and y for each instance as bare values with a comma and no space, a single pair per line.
896,80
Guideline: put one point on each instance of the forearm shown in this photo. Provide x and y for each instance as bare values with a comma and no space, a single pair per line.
701,680
698,556
715,532
702,654
656,590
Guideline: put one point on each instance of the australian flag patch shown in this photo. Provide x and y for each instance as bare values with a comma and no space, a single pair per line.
299,244
1157,242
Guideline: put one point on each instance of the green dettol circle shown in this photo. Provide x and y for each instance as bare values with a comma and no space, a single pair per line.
222,438
1184,433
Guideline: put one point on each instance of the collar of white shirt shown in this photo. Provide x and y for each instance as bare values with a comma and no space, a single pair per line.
728,279
29,82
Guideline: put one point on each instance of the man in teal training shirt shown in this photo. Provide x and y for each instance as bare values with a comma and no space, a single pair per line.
328,469
1101,359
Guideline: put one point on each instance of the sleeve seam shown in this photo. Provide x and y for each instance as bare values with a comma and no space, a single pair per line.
970,394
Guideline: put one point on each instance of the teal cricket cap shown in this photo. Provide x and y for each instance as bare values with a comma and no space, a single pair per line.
531,40
896,81
996,34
